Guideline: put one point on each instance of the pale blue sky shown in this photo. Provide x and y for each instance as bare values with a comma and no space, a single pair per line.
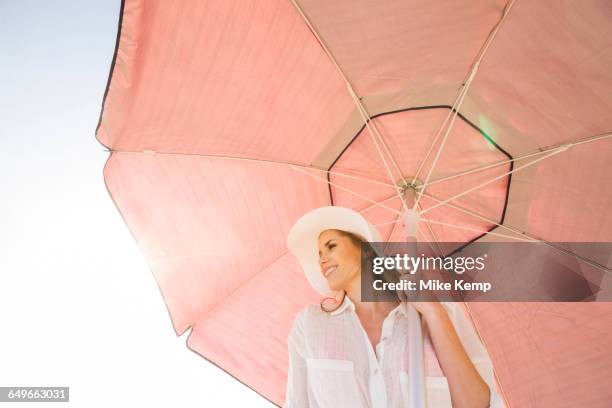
78,305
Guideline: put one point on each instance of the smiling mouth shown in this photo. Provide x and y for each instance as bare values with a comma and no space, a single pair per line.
329,270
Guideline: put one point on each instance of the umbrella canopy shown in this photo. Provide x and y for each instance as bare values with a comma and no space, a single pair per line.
227,120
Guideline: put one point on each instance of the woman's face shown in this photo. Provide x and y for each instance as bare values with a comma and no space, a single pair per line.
339,259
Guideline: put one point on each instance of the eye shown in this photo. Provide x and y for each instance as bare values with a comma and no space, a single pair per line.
331,246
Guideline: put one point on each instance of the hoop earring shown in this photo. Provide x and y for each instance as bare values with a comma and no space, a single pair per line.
332,300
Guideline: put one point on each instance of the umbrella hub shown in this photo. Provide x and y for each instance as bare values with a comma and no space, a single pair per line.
409,188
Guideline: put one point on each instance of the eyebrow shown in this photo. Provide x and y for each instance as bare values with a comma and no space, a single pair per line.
326,244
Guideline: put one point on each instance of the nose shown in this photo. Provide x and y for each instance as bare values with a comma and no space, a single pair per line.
322,259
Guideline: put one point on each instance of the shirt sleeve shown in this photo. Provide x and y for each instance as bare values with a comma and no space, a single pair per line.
296,395
475,350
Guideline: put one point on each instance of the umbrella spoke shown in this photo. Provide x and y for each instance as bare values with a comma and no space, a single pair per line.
465,228
535,153
527,236
361,178
376,203
382,224
433,235
524,234
213,156
373,131
209,156
552,153
459,101
475,214
446,134
386,200
448,115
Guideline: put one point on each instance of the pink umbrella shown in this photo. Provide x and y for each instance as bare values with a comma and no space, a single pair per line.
228,120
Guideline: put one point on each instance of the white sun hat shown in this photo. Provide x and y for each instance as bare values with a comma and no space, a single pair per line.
302,240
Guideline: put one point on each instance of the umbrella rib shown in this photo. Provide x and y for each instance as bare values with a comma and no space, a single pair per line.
519,232
386,200
210,156
372,130
463,227
475,214
366,179
348,190
461,97
394,225
213,156
433,235
535,153
240,286
512,229
367,120
444,140
552,153
448,115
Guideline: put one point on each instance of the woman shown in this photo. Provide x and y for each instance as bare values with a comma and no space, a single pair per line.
362,354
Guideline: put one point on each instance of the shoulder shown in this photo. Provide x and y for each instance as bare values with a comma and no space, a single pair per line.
308,314
303,323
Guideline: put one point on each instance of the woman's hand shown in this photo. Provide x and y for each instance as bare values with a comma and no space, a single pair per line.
424,301
429,310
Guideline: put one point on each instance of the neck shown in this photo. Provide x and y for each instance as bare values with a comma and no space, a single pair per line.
353,291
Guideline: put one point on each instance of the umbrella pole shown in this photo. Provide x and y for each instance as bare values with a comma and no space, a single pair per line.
416,365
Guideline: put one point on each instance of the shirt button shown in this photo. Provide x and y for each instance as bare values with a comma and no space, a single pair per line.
384,338
375,371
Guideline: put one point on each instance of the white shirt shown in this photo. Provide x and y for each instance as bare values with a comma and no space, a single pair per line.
332,362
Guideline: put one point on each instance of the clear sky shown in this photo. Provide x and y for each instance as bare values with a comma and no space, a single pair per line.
78,305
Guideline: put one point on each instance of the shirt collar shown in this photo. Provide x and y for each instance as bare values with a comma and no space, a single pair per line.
347,304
